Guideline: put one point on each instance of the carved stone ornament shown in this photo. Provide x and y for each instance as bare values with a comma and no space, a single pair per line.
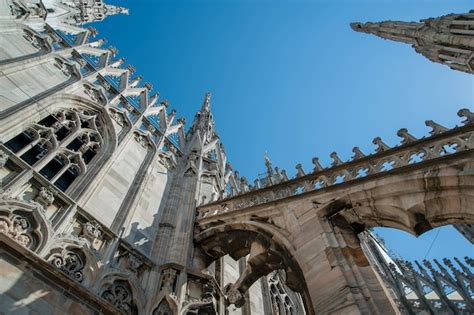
133,262
45,196
143,140
19,228
65,67
91,231
69,262
119,295
3,159
234,296
167,280
190,172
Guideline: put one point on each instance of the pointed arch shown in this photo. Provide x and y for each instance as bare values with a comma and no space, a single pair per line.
26,223
218,241
93,144
74,257
122,290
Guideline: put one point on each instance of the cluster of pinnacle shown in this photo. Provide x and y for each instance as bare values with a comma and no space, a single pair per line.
277,175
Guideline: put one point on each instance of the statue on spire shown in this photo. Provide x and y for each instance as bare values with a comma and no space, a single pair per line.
206,105
268,164
448,39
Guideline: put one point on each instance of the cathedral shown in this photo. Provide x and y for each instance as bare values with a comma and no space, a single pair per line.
110,205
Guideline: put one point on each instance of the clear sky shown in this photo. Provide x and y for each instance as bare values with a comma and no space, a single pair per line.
293,79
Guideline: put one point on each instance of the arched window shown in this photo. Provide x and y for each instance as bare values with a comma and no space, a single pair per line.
61,145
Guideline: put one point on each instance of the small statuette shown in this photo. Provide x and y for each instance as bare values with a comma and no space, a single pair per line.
45,196
91,231
3,159
133,262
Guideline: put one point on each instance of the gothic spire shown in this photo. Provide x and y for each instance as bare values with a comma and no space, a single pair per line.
79,12
203,122
448,39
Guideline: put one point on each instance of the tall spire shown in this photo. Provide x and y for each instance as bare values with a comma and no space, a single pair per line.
203,121
448,39
80,12
206,104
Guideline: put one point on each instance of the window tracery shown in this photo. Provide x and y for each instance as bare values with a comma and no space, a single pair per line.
61,145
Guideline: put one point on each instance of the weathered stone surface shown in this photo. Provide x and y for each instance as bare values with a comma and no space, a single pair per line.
108,206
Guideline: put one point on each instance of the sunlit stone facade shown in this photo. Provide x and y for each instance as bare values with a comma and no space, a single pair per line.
108,205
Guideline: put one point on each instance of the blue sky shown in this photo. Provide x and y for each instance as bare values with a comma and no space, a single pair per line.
293,79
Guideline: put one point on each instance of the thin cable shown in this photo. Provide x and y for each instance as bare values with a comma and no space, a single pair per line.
432,243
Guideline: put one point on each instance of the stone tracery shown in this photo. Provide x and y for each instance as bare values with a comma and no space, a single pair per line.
61,145
120,295
69,261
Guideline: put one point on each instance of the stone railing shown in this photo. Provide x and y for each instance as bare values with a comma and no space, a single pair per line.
441,142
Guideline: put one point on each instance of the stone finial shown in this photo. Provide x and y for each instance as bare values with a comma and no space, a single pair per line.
113,50
336,160
284,176
256,183
153,98
381,146
468,115
406,136
165,103
136,80
268,164
237,176
207,97
131,69
148,86
317,165
299,170
357,153
117,63
244,184
181,120
436,128
93,31
98,43
3,159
